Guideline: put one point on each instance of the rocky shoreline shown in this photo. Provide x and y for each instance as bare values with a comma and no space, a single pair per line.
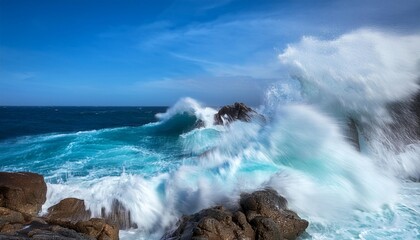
260,215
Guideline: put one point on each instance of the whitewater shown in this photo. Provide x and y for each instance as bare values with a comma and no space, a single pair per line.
170,167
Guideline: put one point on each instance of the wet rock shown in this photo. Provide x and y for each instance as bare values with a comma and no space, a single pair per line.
97,228
22,191
119,216
212,224
237,111
267,203
8,218
263,215
69,209
266,229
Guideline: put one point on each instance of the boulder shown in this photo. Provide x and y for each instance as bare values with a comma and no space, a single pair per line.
237,111
212,224
267,203
263,215
10,220
69,209
266,229
97,228
22,191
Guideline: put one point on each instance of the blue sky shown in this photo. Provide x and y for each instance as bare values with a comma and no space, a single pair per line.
123,53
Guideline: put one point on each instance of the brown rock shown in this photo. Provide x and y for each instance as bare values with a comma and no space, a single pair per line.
22,191
10,221
267,203
69,209
212,224
266,229
97,228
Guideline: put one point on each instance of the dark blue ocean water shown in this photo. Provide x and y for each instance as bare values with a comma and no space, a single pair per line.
25,121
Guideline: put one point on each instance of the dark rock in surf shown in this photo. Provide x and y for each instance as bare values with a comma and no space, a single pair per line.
237,111
69,209
267,203
213,224
22,191
261,215
119,216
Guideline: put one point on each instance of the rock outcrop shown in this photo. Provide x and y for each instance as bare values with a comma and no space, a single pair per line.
69,209
23,191
261,215
119,216
21,198
237,111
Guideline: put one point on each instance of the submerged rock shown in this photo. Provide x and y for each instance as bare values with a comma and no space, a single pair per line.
237,111
22,191
262,215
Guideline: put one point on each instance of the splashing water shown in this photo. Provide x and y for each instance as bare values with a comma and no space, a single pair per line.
164,169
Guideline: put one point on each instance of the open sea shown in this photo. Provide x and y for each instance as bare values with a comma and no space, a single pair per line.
159,165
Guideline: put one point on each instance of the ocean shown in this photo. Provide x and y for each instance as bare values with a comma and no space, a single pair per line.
159,165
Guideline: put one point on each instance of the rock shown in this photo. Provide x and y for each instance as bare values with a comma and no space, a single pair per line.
69,209
44,231
263,215
237,111
97,228
119,216
267,203
266,229
11,221
212,224
22,191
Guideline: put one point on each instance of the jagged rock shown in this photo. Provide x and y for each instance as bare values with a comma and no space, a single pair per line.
22,191
266,229
69,209
237,111
8,218
97,228
267,203
119,216
212,224
264,215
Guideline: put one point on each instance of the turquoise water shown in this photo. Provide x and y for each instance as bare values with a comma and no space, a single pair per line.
167,168
159,166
